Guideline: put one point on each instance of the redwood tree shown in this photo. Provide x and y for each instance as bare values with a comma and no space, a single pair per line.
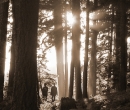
76,46
123,46
92,73
85,72
25,15
58,35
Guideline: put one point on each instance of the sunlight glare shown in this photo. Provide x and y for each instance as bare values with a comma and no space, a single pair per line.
91,22
7,60
70,19
128,40
51,57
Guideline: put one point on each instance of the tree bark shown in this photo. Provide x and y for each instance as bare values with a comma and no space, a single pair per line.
85,72
76,46
92,73
123,70
25,15
117,66
71,84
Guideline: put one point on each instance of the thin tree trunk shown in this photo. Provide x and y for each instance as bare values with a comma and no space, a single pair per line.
66,61
3,31
71,85
92,74
25,15
38,95
85,72
117,66
122,74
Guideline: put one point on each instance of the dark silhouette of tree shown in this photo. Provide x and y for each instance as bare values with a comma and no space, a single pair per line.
71,85
120,68
25,15
3,31
123,46
85,72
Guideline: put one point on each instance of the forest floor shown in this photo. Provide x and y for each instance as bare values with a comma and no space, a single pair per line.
47,105
112,101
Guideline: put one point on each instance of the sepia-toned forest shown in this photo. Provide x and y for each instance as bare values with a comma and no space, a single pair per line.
99,68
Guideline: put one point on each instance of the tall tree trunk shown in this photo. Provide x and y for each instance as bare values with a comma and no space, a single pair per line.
121,50
76,43
123,70
117,66
25,15
85,72
92,73
3,32
71,84
58,33
66,58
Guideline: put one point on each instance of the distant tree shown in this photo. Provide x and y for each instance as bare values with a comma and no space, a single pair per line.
123,45
66,51
85,72
93,52
58,36
3,32
92,74
54,30
76,46
25,15
71,85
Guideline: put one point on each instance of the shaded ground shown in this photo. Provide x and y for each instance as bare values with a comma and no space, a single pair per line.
113,101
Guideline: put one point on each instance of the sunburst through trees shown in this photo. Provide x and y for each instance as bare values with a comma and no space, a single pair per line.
88,38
